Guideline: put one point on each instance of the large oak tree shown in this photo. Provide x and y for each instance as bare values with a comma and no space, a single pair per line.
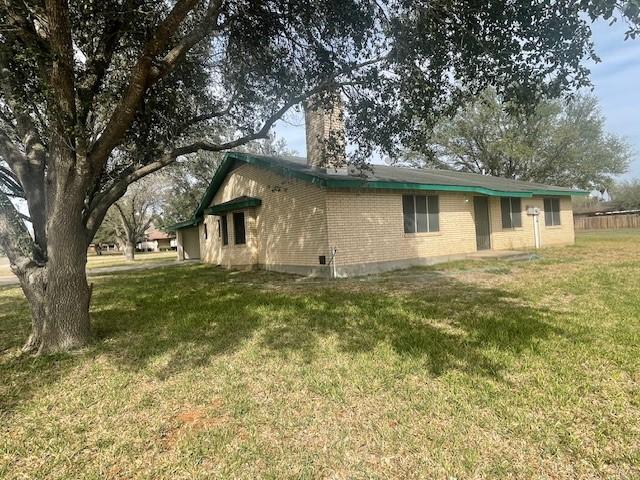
559,142
81,84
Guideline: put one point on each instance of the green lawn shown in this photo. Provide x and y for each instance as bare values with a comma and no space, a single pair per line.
110,260
479,369
99,261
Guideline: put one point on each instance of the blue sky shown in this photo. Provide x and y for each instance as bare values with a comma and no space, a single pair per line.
616,83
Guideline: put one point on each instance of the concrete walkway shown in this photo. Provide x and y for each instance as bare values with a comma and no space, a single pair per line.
95,272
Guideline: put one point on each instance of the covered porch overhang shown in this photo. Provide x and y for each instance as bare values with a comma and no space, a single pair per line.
239,203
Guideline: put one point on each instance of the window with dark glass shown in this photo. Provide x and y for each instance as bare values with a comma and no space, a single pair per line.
238,228
551,212
421,213
409,212
511,212
224,230
206,232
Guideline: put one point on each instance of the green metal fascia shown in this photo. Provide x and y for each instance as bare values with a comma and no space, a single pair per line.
573,193
231,205
423,186
192,222
213,187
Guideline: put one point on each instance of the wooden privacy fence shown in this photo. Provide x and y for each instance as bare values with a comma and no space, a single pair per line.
604,222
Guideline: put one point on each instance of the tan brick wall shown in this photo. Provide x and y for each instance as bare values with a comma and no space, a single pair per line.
188,243
524,237
289,228
297,222
563,234
368,227
231,254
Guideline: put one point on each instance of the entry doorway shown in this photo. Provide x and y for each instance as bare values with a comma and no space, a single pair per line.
481,216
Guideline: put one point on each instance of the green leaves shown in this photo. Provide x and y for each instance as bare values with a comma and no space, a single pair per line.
558,142
626,195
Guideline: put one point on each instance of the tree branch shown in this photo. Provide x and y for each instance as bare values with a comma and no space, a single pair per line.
18,18
175,55
27,168
262,133
100,60
102,202
208,116
139,82
15,239
62,78
15,189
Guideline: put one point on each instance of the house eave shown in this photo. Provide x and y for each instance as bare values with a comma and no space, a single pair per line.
192,222
233,205
323,180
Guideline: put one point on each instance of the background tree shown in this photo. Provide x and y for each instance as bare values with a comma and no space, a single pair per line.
626,195
130,217
560,142
86,84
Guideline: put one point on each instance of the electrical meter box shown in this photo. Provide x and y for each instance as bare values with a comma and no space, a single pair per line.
533,211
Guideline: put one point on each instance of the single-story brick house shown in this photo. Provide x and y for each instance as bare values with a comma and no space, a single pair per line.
287,214
157,241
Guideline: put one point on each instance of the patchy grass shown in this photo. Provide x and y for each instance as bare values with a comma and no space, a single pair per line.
99,261
110,260
465,371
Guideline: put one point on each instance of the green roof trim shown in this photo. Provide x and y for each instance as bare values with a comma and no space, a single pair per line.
384,178
235,204
192,222
551,192
347,183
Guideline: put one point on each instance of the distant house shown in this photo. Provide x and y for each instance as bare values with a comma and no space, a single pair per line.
289,214
157,241
102,247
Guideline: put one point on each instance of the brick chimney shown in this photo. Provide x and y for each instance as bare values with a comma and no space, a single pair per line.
324,124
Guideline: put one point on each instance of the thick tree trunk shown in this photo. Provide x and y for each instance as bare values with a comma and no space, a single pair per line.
130,251
67,294
33,281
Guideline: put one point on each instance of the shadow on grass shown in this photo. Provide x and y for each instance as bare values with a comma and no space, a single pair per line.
447,323
196,313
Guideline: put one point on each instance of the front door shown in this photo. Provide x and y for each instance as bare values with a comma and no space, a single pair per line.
481,215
